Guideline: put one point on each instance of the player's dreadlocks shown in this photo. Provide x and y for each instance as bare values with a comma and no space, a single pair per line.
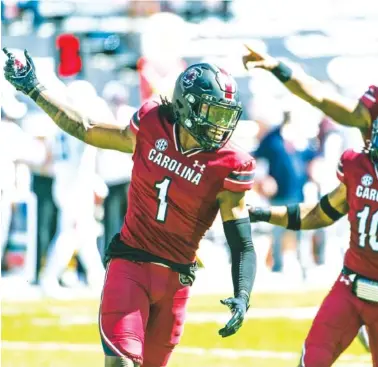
166,109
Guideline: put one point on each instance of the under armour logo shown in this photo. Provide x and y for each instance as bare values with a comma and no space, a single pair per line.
345,280
201,166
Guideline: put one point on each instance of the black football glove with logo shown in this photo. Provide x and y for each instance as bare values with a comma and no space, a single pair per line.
238,307
22,77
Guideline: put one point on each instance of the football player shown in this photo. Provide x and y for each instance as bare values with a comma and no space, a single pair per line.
185,171
355,113
353,300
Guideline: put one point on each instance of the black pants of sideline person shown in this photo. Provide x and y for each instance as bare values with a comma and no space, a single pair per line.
47,213
115,206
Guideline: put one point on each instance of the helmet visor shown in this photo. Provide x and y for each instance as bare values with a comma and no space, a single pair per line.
223,117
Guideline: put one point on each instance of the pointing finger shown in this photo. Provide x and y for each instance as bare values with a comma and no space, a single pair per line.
249,48
8,53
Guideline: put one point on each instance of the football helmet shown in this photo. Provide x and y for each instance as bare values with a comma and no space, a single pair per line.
206,103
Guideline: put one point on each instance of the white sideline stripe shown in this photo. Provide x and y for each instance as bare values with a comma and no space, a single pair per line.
220,318
226,353
296,313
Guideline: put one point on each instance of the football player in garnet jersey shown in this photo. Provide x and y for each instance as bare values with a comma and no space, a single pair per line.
353,300
185,170
355,113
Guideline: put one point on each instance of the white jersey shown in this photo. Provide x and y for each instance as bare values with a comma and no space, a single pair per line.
67,155
74,164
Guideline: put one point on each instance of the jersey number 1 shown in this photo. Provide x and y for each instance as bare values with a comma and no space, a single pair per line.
162,194
363,216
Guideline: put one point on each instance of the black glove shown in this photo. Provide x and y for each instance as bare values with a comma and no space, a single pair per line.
22,77
238,307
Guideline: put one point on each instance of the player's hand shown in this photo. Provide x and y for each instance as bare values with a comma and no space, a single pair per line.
256,59
238,307
22,77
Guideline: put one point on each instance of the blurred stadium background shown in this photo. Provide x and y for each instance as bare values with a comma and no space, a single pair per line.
129,51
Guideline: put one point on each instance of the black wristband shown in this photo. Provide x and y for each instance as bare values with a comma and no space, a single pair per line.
282,72
259,214
36,91
293,217
329,210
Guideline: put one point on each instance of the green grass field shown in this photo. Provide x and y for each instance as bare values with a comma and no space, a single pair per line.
51,333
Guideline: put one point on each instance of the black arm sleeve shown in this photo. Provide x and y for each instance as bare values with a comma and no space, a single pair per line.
243,256
328,209
293,217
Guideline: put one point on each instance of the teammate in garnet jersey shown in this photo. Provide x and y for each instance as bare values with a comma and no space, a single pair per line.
355,113
353,300
185,171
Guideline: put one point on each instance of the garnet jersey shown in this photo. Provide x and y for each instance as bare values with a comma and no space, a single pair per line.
359,174
172,196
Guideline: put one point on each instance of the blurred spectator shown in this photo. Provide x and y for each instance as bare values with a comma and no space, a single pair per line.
9,11
288,167
199,10
115,167
330,150
40,127
7,178
74,188
33,7
3,16
137,8
11,111
17,148
332,144
161,61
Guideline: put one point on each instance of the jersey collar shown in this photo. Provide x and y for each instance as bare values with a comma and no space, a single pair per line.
179,148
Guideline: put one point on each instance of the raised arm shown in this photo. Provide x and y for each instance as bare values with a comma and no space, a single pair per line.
341,109
101,134
303,216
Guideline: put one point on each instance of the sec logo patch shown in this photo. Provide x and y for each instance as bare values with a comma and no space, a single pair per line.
367,180
161,145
